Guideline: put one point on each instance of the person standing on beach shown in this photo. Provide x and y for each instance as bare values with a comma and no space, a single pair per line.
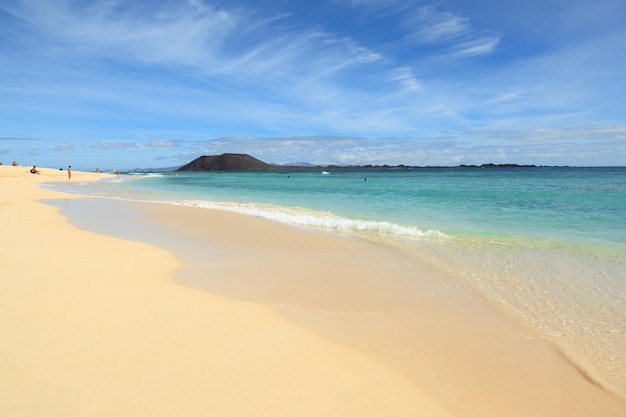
69,172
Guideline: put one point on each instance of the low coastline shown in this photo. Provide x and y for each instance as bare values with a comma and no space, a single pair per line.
295,322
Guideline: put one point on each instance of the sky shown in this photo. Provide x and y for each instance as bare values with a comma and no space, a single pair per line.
125,84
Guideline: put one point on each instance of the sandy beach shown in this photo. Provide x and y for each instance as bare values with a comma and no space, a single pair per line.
196,312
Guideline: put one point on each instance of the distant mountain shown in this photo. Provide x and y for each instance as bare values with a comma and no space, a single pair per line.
227,162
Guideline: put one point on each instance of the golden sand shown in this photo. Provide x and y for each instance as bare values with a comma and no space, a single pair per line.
93,325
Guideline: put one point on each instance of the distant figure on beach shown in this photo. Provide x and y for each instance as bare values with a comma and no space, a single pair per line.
117,172
34,170
14,163
97,170
69,172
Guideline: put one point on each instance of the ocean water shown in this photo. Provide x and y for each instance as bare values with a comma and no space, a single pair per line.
545,245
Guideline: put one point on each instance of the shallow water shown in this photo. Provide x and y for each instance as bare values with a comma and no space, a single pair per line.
546,245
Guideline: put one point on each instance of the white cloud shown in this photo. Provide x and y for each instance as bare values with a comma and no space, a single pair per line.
480,46
64,147
534,146
432,25
581,134
164,143
446,31
405,77
112,145
212,42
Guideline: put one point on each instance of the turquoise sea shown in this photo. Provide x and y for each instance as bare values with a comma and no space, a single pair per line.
546,245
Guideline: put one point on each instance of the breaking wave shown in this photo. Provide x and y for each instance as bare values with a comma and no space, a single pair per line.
310,218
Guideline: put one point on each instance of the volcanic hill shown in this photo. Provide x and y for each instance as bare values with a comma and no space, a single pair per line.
227,162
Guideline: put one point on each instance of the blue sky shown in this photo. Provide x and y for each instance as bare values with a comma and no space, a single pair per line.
157,83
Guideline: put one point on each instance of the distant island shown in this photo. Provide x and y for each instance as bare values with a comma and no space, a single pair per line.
245,162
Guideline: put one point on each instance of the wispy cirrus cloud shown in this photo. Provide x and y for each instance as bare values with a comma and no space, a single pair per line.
428,24
479,46
404,76
187,35
452,32
241,43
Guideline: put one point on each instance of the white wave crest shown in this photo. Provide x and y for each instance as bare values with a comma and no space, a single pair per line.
310,218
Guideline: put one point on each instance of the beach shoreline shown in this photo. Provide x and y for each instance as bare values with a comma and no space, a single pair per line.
352,332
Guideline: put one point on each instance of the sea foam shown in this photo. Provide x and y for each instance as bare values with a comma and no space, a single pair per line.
311,218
